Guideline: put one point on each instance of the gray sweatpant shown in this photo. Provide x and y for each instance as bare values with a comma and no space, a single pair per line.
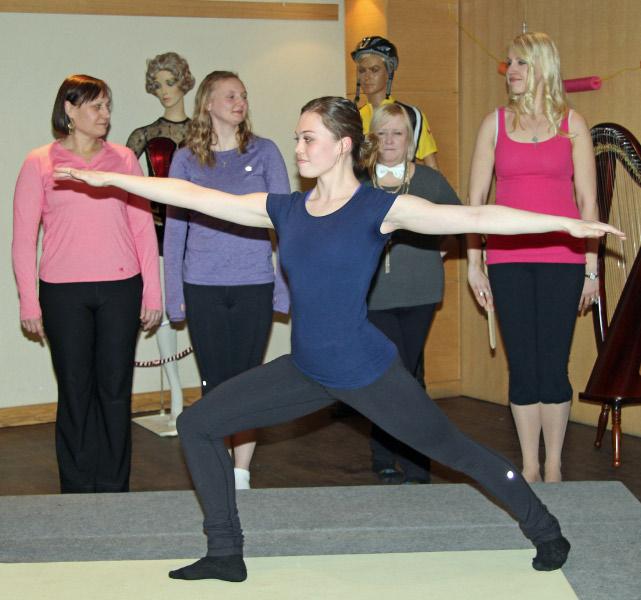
278,392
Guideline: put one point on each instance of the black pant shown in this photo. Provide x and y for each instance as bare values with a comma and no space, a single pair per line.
229,328
278,392
407,327
92,330
536,305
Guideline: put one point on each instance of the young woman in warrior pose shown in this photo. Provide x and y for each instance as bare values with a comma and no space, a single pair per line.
330,242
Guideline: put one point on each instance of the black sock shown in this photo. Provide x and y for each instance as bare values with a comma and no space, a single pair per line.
551,555
226,568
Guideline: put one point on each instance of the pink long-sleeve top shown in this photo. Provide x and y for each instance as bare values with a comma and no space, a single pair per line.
89,234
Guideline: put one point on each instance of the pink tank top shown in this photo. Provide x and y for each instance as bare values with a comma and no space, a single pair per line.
535,177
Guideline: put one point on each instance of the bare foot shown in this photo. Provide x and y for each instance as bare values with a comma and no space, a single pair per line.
553,476
531,476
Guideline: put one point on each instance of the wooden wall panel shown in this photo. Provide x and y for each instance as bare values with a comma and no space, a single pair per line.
594,38
441,110
215,9
443,348
34,414
427,42
362,18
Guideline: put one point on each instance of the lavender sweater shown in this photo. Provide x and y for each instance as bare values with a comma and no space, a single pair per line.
203,250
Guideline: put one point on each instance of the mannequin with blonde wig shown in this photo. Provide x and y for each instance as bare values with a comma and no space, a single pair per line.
169,78
176,65
541,152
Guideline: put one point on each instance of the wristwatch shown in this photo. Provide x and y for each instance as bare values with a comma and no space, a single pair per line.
592,276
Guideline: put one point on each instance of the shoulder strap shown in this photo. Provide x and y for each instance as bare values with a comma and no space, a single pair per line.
416,119
565,122
500,124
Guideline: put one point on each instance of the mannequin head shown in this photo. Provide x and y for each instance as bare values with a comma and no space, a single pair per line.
376,61
168,78
371,71
173,64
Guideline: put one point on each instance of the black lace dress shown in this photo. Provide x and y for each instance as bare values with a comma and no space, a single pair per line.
158,141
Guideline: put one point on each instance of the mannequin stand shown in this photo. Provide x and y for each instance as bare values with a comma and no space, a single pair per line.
162,424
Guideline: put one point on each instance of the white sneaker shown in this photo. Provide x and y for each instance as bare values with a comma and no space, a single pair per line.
242,479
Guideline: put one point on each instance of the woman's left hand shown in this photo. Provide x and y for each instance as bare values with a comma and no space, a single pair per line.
591,229
149,318
589,295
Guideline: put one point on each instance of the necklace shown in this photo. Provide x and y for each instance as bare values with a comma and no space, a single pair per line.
401,189
535,136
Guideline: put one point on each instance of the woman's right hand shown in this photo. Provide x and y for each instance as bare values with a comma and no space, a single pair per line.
480,285
34,327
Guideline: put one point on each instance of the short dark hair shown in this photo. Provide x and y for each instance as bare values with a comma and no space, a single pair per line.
76,89
341,117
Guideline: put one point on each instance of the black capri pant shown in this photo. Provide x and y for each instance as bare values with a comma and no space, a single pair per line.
536,305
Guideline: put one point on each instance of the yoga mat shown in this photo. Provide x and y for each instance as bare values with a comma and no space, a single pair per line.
491,575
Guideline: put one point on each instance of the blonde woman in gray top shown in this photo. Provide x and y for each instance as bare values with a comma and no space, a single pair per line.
408,285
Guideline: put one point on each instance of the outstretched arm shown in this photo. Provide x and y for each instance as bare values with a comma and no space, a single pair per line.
415,214
250,209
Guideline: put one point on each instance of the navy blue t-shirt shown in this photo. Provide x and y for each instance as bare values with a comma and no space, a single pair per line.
330,261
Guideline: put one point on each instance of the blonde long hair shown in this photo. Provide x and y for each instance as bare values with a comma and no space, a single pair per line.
538,49
201,129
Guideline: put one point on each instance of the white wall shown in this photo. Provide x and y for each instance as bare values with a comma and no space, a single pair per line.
282,63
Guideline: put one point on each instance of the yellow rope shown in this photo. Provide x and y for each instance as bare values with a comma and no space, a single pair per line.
619,72
499,61
471,36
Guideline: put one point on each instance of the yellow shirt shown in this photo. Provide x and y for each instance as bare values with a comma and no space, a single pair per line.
426,142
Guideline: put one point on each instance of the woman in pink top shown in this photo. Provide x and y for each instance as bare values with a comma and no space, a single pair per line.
99,281
542,154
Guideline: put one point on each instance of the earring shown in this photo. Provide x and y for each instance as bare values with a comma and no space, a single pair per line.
70,126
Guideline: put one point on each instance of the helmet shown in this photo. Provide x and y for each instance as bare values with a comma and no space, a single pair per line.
381,47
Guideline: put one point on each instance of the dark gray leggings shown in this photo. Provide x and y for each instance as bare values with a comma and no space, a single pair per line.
278,392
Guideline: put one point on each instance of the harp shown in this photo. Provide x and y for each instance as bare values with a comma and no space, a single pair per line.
616,379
